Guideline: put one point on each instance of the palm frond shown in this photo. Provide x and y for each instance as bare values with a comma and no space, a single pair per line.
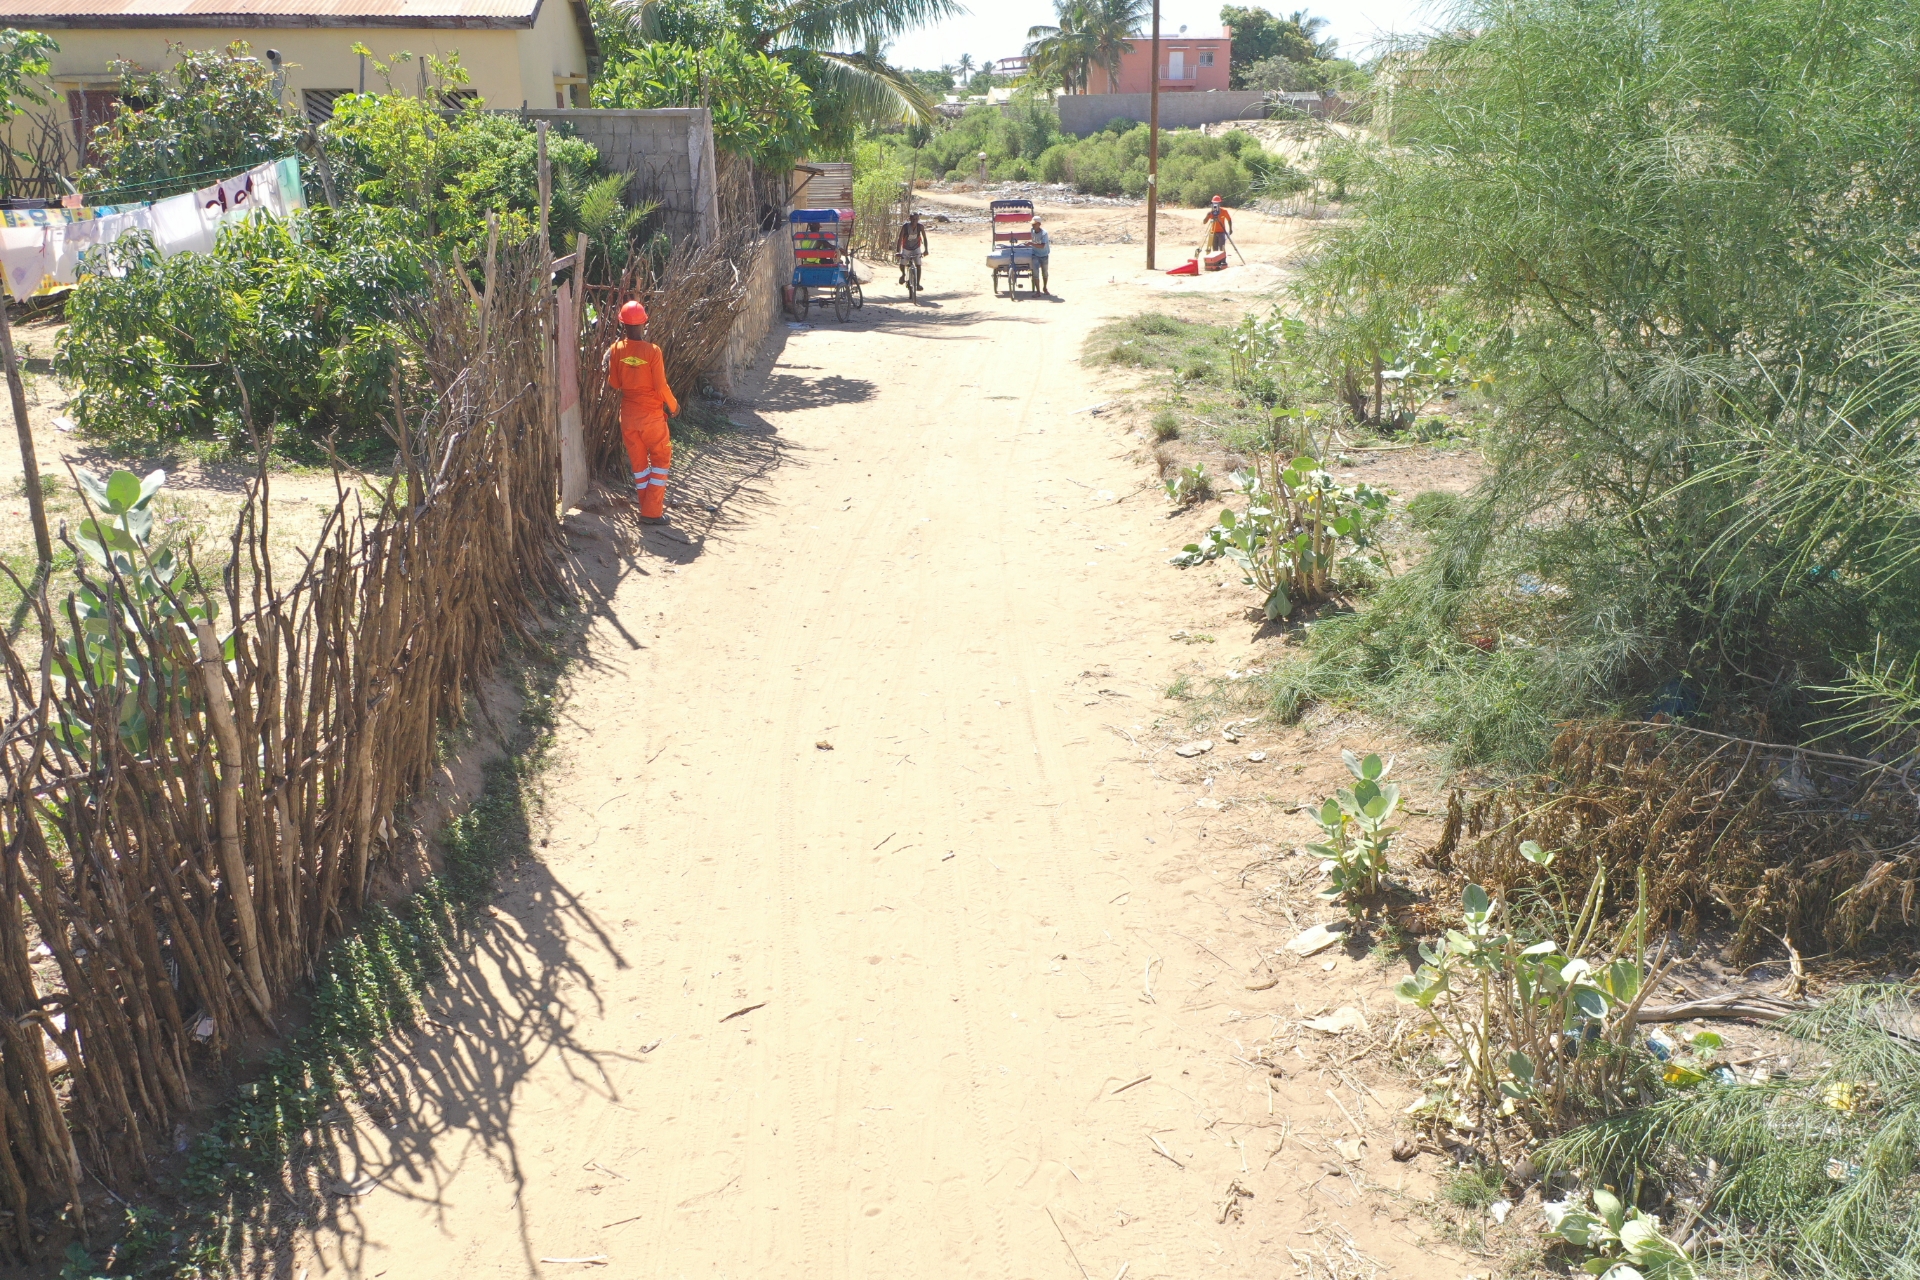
822,25
865,86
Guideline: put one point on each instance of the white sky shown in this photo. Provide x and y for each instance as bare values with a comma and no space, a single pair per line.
998,28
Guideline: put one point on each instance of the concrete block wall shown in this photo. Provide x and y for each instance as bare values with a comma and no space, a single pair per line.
766,284
1085,113
669,150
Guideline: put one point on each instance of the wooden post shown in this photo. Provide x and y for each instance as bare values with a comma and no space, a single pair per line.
1153,140
326,169
29,464
546,188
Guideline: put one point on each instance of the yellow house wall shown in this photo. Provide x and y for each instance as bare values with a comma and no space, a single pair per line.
506,67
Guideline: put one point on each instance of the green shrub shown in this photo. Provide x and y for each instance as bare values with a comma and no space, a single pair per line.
761,109
1025,145
1055,163
1702,443
301,312
211,114
447,171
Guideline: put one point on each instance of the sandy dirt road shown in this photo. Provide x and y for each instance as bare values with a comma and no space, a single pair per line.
1000,1023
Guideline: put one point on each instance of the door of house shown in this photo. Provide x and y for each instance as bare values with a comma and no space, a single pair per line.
1177,65
89,109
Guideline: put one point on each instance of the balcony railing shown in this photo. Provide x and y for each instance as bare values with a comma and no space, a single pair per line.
1168,74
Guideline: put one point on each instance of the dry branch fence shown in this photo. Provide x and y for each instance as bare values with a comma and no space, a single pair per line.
166,895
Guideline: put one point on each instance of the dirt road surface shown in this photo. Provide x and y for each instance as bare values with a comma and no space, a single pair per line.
867,940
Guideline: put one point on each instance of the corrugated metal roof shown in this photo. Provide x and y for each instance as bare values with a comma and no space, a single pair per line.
113,13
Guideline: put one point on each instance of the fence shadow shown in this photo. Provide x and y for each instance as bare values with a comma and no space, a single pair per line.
441,1096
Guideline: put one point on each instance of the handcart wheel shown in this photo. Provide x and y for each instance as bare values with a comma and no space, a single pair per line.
842,303
800,301
859,298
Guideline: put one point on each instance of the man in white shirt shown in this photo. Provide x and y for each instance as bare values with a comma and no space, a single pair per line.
1042,248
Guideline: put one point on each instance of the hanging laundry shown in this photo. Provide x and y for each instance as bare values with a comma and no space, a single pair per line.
46,250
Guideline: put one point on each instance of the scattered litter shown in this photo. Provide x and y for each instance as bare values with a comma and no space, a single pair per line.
1163,1151
1230,1208
64,423
823,745
1318,938
742,1012
1191,749
203,1029
1342,1020
649,1048
1405,1150
1256,757
1328,966
179,1139
1207,804
1499,1209
591,1260
1349,1149
1129,1084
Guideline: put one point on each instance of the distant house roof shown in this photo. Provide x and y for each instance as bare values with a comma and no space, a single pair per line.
472,14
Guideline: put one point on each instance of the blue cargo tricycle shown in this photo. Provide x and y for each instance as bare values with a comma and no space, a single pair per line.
820,263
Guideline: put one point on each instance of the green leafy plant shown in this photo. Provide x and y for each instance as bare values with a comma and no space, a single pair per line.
1261,351
761,109
1189,484
132,596
444,171
1300,526
1625,1242
301,313
209,114
1358,835
1534,1031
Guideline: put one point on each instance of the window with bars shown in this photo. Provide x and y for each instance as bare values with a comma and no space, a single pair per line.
318,103
1206,57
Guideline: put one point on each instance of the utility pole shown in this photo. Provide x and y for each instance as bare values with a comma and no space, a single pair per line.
1153,141
29,465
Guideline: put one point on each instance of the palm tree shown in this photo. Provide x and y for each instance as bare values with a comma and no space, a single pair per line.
1310,27
813,37
963,69
1091,33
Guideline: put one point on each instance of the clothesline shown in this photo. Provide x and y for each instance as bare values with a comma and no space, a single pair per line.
45,250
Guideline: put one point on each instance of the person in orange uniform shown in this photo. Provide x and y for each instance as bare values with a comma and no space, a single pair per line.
637,370
1219,225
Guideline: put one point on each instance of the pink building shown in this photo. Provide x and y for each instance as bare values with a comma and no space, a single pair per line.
1187,64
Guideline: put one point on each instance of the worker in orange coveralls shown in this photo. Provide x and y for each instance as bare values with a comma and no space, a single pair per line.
637,370
1218,224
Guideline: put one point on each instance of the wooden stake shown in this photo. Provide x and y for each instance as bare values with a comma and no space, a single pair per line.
546,185
29,464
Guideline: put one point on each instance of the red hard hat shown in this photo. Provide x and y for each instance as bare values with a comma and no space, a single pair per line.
1216,199
631,312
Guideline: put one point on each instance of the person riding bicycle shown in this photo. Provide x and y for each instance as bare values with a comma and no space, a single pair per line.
911,243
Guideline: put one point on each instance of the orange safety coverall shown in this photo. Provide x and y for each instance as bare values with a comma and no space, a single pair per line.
638,372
